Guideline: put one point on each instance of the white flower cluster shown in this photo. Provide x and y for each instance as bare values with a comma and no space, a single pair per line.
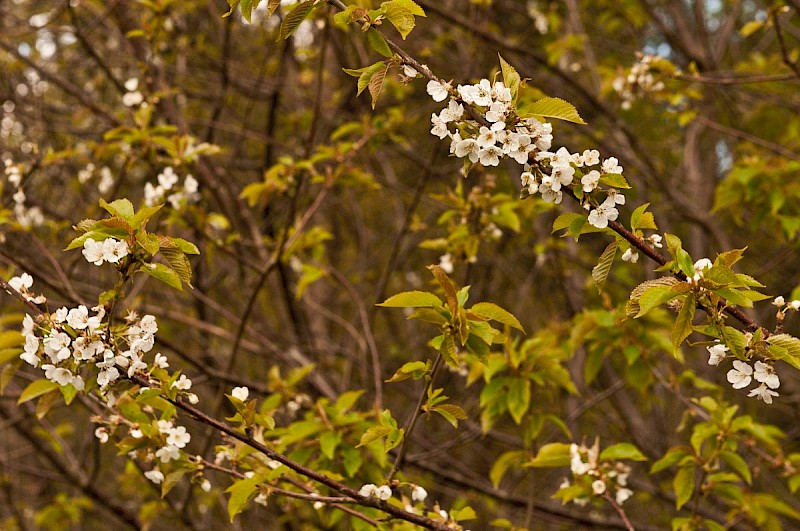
384,492
780,302
132,97
526,140
743,374
506,136
71,339
26,217
108,250
176,438
639,80
584,462
166,184
23,284
106,177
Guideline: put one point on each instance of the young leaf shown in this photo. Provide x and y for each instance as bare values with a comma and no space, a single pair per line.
683,485
511,78
293,19
412,299
400,17
683,323
121,208
376,84
242,491
555,108
504,462
551,455
622,451
164,274
451,413
36,389
378,43
603,268
496,313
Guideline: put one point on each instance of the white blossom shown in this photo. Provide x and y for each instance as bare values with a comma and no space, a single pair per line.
241,393
779,301
739,376
168,453
418,494
762,392
622,495
178,437
766,375
598,486
102,434
717,353
438,91
183,383
155,475
630,256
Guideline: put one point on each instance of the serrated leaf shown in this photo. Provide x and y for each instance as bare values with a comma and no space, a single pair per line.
247,9
374,433
148,242
634,307
378,43
294,17
511,78
184,245
179,263
555,108
655,296
412,299
164,274
672,457
122,208
400,17
272,6
365,75
789,349
641,219
36,389
376,84
683,323
496,313
603,268
622,451
447,286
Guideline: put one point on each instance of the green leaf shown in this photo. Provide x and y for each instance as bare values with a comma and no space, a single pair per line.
121,208
36,389
683,485
465,513
400,16
378,43
412,299
164,274
272,6
185,246
375,433
738,464
11,338
622,451
751,27
614,180
672,457
641,219
9,354
170,480
566,219
519,398
148,242
241,492
179,263
504,462
511,78
45,402
655,296
496,313
328,443
603,268
451,413
294,17
683,323
555,108
551,455
786,348
412,6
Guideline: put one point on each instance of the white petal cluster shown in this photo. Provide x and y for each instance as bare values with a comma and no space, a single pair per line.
716,353
109,250
384,492
166,189
23,284
638,81
26,216
742,374
132,97
75,341
241,393
584,461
